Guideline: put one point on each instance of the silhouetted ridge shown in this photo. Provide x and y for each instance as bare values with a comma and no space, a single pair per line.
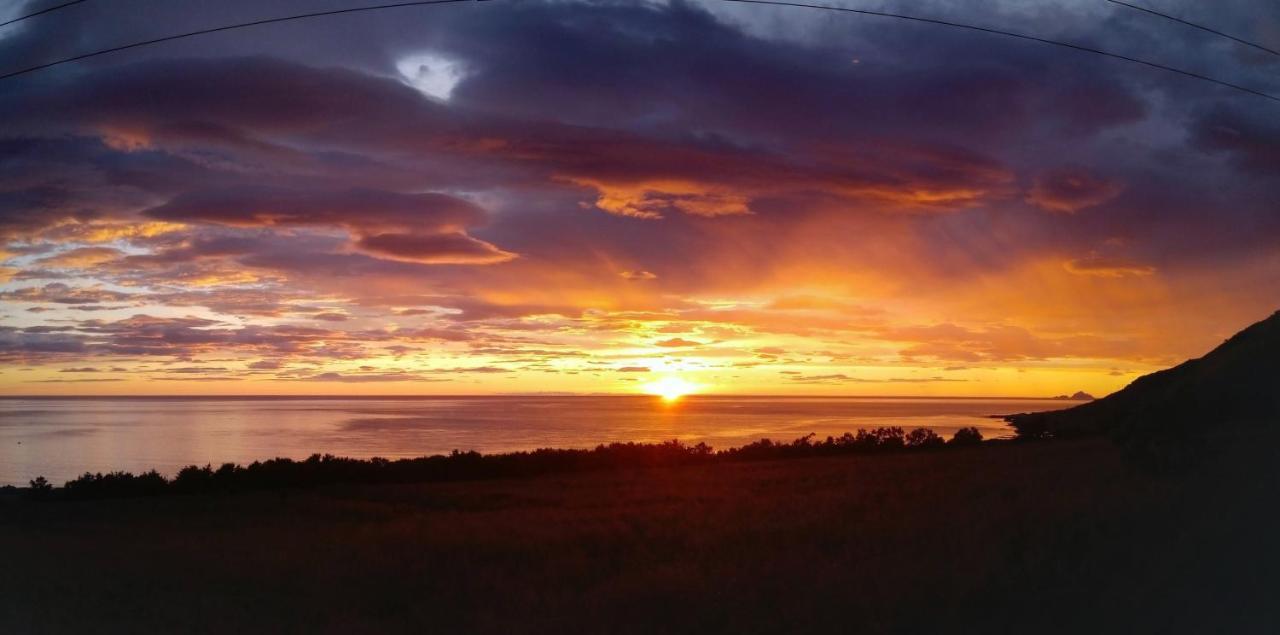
1237,382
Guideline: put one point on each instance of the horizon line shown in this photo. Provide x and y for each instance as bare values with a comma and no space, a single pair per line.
529,394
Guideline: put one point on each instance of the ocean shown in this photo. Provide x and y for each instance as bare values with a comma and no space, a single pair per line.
61,438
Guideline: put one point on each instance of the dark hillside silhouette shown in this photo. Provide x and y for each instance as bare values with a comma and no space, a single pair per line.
1237,382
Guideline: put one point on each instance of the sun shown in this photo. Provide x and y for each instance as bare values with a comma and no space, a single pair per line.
670,388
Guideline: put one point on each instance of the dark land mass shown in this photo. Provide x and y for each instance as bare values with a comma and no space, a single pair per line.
1061,537
1170,529
1237,383
1078,395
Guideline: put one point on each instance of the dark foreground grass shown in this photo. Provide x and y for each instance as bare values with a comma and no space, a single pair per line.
1018,538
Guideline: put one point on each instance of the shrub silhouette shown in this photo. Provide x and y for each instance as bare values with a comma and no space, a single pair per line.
924,438
193,479
40,488
115,484
966,436
890,438
323,469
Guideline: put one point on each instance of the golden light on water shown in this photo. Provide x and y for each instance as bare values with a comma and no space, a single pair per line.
670,388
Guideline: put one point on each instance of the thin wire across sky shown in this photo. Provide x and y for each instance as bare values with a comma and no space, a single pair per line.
777,3
43,11
1194,25
1013,34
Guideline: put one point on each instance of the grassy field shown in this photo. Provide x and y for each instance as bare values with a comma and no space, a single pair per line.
1040,537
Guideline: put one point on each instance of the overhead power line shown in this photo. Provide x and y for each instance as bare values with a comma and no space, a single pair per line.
1197,26
217,29
40,12
779,3
1012,34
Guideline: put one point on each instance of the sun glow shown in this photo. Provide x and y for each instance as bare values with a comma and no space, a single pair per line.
670,388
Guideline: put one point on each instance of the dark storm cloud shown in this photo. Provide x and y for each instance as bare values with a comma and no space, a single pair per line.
630,173
275,95
744,120
365,211
1251,142
633,175
426,228
612,66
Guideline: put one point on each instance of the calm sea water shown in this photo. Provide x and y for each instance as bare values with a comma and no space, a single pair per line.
62,438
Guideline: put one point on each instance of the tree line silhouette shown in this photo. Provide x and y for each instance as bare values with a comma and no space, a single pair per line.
457,466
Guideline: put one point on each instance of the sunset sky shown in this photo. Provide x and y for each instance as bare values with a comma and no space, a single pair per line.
521,196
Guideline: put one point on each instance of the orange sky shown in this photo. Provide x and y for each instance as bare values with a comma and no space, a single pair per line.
603,197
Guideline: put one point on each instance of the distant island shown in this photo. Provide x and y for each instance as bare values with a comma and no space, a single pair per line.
1079,395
